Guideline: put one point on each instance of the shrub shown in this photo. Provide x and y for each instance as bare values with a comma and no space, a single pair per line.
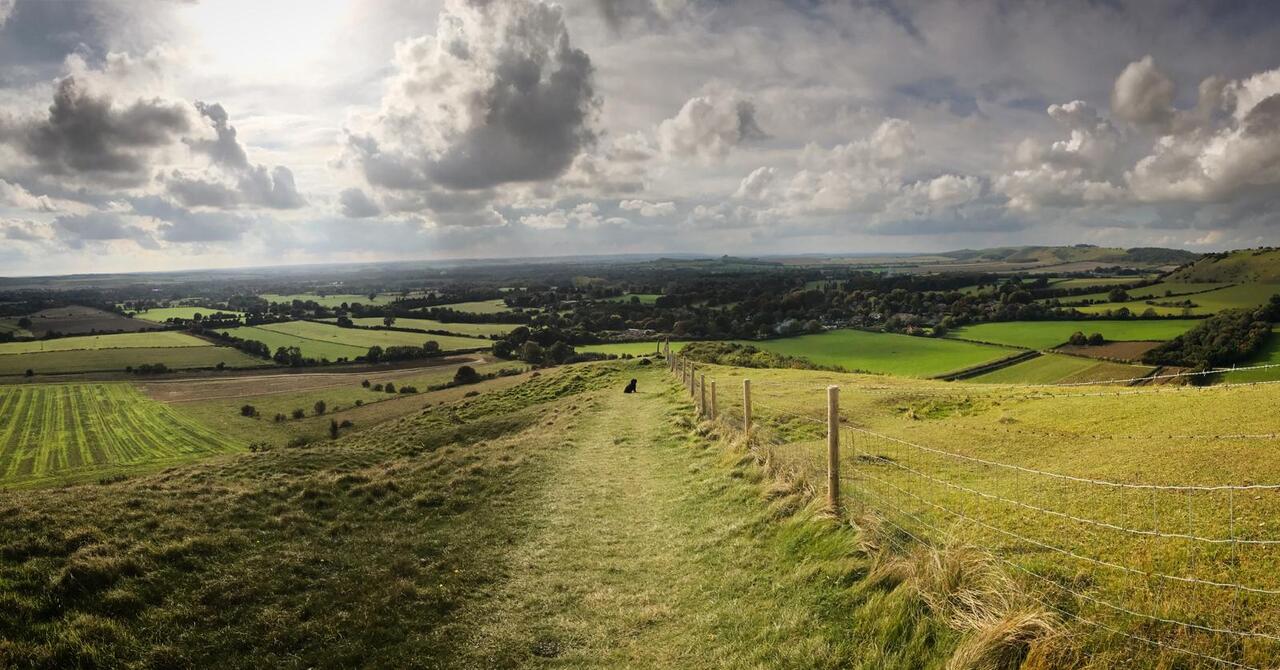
1077,339
32,373
280,418
359,402
389,388
1097,339
408,389
466,375
377,387
299,413
365,383
256,447
319,407
248,410
333,429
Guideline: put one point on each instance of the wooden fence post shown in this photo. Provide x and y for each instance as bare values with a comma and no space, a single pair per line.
713,400
746,405
833,448
702,394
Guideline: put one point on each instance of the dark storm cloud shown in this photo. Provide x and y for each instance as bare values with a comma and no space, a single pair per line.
88,135
225,150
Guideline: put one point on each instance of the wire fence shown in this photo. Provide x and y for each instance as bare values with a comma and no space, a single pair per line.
1086,521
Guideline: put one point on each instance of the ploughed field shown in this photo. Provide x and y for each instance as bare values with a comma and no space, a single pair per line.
61,431
72,320
326,341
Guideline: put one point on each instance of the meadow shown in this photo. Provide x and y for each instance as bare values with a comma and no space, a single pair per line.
1228,297
163,314
629,348
466,329
325,341
333,299
117,360
885,353
67,431
1082,496
1049,334
151,340
479,306
1268,355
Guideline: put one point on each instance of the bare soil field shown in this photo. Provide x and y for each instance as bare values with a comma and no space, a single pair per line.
1113,351
77,320
240,386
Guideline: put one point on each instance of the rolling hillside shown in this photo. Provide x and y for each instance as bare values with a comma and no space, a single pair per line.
1236,267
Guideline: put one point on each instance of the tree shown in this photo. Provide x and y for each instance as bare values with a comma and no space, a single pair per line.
1078,339
389,320
24,323
333,429
431,347
1118,295
466,375
374,354
1097,339
345,322
319,407
249,411
373,296
365,383
389,388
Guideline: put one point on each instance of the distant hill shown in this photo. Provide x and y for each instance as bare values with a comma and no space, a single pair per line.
1149,256
1244,265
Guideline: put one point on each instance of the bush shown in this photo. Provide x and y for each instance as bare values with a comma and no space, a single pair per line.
408,389
319,407
466,375
249,411
389,388
365,383
333,429
32,373
1077,339
255,447
377,387
359,402
299,413
280,418
1097,339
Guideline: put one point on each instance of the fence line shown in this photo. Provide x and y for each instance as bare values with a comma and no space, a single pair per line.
835,423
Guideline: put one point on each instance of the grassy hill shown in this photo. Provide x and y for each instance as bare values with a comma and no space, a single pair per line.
1236,267
1048,255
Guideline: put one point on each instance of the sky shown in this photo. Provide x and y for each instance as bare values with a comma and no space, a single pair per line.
169,134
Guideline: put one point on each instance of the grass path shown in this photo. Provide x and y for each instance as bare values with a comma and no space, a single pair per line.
646,554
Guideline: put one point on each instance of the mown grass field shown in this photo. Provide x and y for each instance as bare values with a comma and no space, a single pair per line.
1080,548
325,341
163,314
466,329
1048,334
885,353
63,432
152,340
1268,355
1061,369
631,348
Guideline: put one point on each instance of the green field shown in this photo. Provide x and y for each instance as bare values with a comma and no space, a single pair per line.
324,341
162,314
1049,334
632,348
1081,282
479,307
331,300
152,340
1061,369
116,360
1268,355
885,353
60,431
468,329
645,298
1241,295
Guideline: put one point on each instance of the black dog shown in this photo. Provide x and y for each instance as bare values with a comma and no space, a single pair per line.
631,388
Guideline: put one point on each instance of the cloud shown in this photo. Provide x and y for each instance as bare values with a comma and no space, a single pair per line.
24,231
498,95
356,204
90,136
1143,94
14,195
6,8
649,209
755,185
178,224
619,14
232,180
709,127
77,229
583,216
